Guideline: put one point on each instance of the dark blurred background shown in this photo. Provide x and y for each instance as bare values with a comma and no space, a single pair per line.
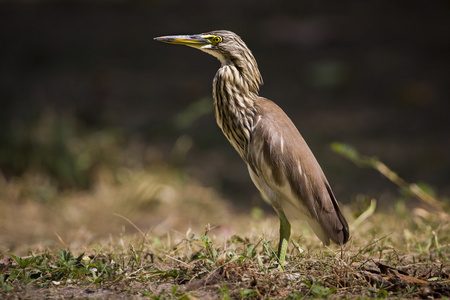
83,82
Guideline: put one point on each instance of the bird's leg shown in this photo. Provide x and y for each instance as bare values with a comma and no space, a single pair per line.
285,233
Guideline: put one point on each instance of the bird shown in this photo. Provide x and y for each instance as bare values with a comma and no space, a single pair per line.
280,163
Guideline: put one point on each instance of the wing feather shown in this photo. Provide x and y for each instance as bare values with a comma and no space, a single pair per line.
279,156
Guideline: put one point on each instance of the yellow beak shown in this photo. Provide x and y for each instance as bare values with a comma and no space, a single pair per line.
196,41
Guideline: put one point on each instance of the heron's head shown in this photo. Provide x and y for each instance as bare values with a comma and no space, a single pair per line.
227,46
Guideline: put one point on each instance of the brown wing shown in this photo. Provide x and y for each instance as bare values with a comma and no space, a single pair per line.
279,156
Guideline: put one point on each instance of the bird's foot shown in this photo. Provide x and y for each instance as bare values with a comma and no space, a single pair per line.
282,252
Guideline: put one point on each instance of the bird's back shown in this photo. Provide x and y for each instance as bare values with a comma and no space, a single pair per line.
286,171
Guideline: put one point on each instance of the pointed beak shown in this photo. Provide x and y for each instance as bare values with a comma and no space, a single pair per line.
195,40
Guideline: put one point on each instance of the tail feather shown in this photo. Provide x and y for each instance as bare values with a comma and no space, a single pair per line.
332,223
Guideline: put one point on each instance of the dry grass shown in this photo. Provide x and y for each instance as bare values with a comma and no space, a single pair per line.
146,234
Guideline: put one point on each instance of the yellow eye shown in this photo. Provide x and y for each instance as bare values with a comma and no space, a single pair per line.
215,40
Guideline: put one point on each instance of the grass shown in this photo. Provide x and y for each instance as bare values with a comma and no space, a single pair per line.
400,254
150,231
399,265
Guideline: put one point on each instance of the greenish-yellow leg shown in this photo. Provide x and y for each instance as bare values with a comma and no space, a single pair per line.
285,233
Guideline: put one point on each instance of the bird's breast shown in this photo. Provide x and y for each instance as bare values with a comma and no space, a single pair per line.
234,109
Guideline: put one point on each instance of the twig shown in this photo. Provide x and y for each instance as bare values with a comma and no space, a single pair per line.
366,161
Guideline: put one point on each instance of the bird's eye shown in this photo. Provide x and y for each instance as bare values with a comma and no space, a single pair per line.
215,40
